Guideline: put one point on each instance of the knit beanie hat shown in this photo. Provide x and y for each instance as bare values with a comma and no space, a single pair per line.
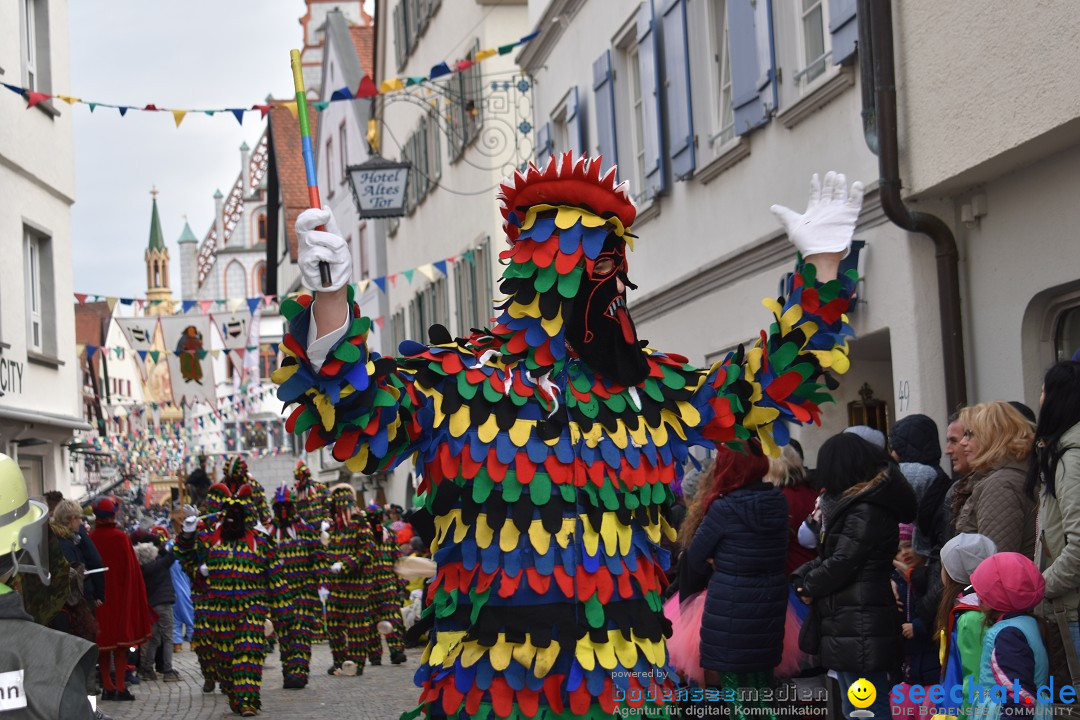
915,440
869,434
963,553
1008,582
906,532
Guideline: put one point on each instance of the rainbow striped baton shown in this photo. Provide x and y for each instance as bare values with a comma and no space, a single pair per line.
309,150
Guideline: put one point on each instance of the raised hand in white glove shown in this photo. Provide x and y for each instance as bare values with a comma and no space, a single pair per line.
829,221
204,571
325,527
191,521
322,245
336,568
324,593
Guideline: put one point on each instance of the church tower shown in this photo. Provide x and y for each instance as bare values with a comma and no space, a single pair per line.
157,265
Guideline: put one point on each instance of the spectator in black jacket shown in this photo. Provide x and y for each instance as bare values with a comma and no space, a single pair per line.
853,624
155,563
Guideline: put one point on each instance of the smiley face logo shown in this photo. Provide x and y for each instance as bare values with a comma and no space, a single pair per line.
862,693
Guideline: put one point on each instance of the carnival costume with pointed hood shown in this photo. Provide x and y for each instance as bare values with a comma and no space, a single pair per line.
348,618
245,583
387,592
549,447
298,549
237,475
312,497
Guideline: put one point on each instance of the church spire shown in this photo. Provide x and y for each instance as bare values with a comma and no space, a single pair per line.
157,263
157,240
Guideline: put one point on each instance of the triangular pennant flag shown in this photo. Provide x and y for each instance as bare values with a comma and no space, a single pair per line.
391,85
321,105
238,113
291,107
123,110
428,271
268,300
363,285
90,350
92,106
439,70
187,305
215,353
221,301
380,321
151,107
253,304
142,354
366,88
381,283
111,301
68,99
127,301
204,305
341,94
441,267
81,297
452,259
211,113
240,352
33,98
526,38
505,49
463,65
263,109
485,54
140,302
178,116
408,275
13,88
469,257
414,81
392,279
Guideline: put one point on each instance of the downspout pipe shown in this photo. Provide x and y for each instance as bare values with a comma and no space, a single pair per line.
880,129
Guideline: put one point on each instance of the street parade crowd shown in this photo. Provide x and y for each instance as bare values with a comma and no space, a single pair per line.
585,563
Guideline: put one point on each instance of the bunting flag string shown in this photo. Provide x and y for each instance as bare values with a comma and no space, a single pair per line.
431,271
367,88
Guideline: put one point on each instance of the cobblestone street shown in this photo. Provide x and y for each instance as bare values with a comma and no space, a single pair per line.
382,693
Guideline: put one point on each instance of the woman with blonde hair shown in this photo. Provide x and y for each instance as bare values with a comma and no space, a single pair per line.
997,443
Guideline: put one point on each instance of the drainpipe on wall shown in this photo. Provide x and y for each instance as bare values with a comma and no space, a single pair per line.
878,71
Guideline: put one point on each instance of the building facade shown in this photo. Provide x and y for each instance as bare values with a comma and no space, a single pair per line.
40,404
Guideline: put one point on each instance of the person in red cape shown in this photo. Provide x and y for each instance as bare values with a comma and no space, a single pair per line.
124,620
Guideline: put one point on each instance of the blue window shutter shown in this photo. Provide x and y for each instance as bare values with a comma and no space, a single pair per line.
844,29
677,90
575,129
543,144
649,62
750,111
604,95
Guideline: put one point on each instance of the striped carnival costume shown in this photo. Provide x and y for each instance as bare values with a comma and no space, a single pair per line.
193,564
387,592
298,548
348,558
551,444
245,583
312,498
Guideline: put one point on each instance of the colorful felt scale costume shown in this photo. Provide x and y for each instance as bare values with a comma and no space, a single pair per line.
348,559
245,583
312,497
549,446
387,592
237,475
298,548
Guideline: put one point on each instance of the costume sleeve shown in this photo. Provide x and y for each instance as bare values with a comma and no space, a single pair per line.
190,553
1012,662
279,594
782,379
367,406
1062,575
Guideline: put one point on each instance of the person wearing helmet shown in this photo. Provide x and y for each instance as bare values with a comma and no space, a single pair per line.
44,673
245,583
1010,586
387,592
298,548
312,497
348,557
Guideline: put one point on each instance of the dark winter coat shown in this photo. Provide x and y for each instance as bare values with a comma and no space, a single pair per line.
745,534
800,499
157,576
849,580
920,652
78,548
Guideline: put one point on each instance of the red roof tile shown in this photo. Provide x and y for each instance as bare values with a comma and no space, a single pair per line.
363,38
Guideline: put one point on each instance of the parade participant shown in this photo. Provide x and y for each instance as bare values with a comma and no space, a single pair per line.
348,558
387,592
312,498
49,670
245,583
193,563
236,476
124,618
548,444
299,551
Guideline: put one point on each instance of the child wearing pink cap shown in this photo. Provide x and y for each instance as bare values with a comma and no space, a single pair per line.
1010,586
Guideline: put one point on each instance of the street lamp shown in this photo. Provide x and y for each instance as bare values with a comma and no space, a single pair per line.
378,187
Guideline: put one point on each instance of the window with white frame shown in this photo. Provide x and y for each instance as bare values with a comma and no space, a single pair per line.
472,283
30,43
815,41
723,113
637,115
560,133
330,167
343,149
36,250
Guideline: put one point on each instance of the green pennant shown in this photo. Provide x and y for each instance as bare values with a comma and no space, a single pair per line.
321,105
408,275
505,49
414,81
153,355
469,256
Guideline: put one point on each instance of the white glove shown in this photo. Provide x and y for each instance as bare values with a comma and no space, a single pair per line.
261,528
325,526
829,220
318,245
324,593
336,568
191,522
204,571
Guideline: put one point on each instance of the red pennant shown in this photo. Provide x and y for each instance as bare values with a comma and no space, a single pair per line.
204,305
81,297
392,279
263,109
33,98
152,107
366,88
463,65
380,321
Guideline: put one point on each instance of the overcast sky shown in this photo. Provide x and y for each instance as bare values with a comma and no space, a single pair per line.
191,54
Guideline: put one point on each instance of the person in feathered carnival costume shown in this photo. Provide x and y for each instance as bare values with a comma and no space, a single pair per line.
193,565
387,592
236,476
300,552
312,497
245,583
549,445
348,557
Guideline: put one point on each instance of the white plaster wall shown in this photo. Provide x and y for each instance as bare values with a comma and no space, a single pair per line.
979,81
